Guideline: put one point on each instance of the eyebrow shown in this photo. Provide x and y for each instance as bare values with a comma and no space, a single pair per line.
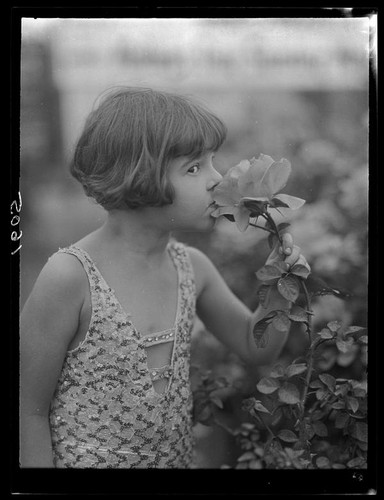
188,161
195,157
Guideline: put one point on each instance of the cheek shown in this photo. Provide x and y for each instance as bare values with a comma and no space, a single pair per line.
187,199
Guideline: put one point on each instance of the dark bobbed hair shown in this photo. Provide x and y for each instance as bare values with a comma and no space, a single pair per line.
128,140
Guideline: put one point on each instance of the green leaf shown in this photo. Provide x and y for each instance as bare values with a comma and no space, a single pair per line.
323,463
293,453
289,394
275,203
341,420
338,466
301,271
260,407
282,226
295,369
317,286
242,465
281,322
321,394
359,388
360,393
334,326
260,332
255,464
320,428
354,329
292,201
338,405
325,333
316,384
342,389
248,455
298,314
217,402
268,272
360,431
308,432
247,425
277,416
283,266
353,404
267,385
317,415
287,436
263,294
328,380
277,371
288,287
346,358
357,463
248,404
362,446
345,346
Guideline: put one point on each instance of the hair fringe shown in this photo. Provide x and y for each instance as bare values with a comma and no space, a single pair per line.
129,138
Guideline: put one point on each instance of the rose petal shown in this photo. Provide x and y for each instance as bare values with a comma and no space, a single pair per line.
224,211
238,170
227,192
241,216
249,182
276,177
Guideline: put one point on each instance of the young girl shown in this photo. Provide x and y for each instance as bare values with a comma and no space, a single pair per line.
106,331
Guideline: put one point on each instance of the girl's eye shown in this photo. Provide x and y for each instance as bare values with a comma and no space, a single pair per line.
194,169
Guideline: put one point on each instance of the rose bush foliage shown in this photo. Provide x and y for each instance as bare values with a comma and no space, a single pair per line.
300,416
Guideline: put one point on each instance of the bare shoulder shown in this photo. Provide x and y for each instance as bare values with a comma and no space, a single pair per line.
61,283
48,324
62,272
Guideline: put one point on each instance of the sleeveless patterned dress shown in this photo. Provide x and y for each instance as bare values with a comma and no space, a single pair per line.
105,412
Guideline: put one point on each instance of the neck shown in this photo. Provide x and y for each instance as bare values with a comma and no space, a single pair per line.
135,233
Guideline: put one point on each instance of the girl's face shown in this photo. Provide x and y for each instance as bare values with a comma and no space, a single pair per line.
193,182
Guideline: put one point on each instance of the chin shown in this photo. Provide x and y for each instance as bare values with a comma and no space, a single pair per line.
207,226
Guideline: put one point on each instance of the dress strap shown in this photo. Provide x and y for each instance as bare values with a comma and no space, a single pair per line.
82,256
95,277
96,280
181,258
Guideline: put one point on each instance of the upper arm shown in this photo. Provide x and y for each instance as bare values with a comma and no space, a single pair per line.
48,322
217,306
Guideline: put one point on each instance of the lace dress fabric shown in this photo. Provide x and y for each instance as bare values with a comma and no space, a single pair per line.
105,412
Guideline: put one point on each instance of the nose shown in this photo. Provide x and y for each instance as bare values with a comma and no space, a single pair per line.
215,179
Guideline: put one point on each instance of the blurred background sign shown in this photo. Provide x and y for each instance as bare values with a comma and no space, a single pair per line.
194,55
